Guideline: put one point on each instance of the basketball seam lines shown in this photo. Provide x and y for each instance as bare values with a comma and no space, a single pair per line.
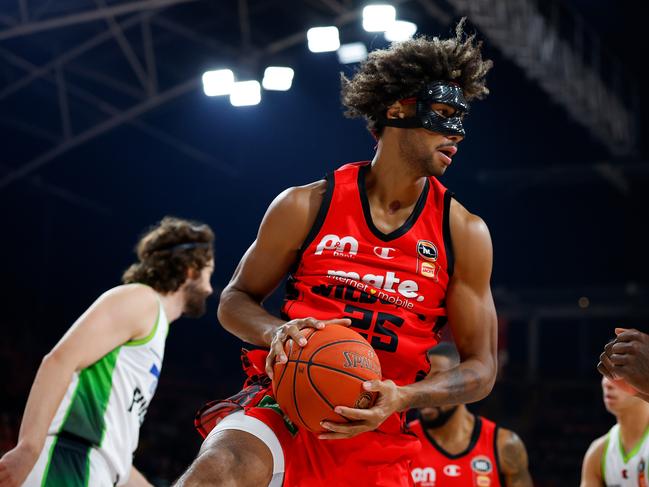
297,408
329,367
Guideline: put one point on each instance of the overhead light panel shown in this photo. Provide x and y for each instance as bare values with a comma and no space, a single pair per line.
352,53
378,18
245,93
400,30
277,78
323,39
218,82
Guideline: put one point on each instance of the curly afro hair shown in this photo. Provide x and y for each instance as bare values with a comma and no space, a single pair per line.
162,264
389,75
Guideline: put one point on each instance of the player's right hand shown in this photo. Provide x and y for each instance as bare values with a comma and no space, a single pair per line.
15,465
291,329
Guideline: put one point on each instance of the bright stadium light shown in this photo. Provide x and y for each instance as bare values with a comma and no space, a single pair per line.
352,53
245,93
277,78
378,18
218,82
323,39
400,30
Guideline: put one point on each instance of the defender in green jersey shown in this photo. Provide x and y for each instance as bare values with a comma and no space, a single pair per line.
621,457
91,393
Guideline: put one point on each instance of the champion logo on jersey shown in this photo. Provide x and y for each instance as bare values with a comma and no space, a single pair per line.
346,246
385,253
427,250
452,470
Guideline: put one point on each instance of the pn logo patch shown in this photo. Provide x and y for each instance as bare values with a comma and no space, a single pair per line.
427,250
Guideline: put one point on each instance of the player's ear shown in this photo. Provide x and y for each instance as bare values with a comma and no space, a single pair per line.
395,111
192,273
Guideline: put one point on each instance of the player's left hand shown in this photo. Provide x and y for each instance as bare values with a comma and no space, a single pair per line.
627,359
363,420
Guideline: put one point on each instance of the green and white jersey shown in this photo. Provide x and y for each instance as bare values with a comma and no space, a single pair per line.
106,402
621,469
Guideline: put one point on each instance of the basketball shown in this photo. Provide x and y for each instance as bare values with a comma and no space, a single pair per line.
328,372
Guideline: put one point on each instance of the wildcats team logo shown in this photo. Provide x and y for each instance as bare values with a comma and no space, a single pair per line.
427,250
342,247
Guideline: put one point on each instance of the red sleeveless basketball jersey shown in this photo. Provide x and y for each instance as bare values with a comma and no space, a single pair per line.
392,286
477,466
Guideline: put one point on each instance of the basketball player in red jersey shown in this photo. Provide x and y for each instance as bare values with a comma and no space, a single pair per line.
460,449
383,247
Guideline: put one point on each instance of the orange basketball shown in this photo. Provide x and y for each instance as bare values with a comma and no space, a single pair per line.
328,372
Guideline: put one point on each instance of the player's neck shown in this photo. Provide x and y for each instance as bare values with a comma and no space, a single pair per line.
633,423
392,178
173,304
456,433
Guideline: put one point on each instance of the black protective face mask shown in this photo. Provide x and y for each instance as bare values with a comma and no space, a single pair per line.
448,93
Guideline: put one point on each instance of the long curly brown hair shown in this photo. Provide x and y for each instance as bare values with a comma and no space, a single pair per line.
389,75
164,256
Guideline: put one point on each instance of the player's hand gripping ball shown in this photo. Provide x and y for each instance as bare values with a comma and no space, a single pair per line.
328,371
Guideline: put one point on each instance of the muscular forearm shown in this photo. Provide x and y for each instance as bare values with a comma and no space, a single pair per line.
52,380
246,318
470,381
136,479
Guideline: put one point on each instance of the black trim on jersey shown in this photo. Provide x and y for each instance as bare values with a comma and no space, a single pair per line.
475,436
407,225
322,214
501,477
446,231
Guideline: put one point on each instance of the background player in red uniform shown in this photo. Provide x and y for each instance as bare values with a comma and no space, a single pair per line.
381,246
462,449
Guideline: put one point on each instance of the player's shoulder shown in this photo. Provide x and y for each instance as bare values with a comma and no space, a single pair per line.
596,448
508,438
298,204
130,298
512,453
301,197
465,222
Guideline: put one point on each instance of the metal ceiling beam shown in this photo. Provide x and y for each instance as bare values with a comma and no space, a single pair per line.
99,129
68,56
149,57
88,16
108,109
125,46
572,77
436,12
24,10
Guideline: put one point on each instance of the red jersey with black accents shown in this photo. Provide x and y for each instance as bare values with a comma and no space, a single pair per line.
392,286
477,466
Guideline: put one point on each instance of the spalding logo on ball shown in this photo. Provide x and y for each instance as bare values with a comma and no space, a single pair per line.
328,372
